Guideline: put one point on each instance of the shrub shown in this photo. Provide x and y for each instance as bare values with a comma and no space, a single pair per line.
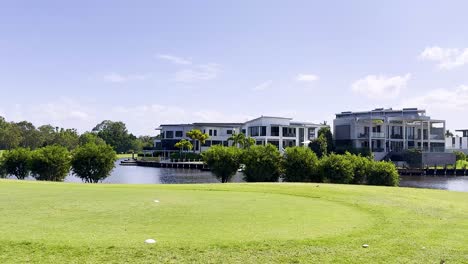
459,155
383,173
93,163
360,167
262,164
3,173
186,155
223,161
336,169
51,163
300,165
17,162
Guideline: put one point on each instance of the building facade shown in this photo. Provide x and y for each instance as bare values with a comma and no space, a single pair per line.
387,130
279,131
458,142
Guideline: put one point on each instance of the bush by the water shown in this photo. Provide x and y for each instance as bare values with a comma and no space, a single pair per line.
336,168
16,162
360,167
223,161
93,162
300,165
382,173
262,163
51,163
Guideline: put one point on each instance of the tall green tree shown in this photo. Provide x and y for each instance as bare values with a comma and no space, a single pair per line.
93,162
10,135
50,163
30,136
197,135
262,163
326,132
116,135
89,137
67,138
319,146
300,165
16,162
222,161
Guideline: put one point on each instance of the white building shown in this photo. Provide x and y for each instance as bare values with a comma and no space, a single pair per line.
279,131
387,130
458,142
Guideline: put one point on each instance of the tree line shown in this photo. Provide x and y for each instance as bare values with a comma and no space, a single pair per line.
320,162
25,135
298,164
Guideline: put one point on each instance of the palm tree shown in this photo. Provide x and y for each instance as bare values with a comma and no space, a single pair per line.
197,135
448,133
238,140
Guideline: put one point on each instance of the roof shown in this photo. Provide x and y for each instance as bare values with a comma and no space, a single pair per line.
218,124
288,118
382,111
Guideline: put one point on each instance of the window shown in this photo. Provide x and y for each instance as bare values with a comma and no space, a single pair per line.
216,142
263,131
169,134
244,131
211,132
215,132
253,131
274,131
178,134
229,131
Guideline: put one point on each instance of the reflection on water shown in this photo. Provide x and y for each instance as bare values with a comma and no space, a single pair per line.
149,175
451,183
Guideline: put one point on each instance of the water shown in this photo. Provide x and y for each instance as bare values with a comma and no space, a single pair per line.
151,175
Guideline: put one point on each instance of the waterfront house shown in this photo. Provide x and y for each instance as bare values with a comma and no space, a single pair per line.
280,131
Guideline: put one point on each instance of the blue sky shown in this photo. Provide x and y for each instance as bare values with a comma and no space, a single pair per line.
76,63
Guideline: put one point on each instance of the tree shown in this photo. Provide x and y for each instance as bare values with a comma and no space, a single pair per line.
16,162
89,137
459,155
10,135
238,139
326,132
67,138
93,162
116,135
30,136
262,163
300,164
448,133
249,141
47,134
50,163
319,146
184,144
336,169
197,135
222,161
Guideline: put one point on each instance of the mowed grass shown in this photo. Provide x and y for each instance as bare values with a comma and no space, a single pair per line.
232,223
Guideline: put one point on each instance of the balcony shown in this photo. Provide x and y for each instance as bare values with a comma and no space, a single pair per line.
378,134
396,136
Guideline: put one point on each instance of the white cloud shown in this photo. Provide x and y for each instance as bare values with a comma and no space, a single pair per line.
380,86
201,72
446,58
448,99
174,59
120,78
306,77
263,86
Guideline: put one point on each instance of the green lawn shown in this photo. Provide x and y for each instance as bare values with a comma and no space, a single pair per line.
125,156
233,223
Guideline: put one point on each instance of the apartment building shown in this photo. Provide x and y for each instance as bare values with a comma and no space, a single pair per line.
387,130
